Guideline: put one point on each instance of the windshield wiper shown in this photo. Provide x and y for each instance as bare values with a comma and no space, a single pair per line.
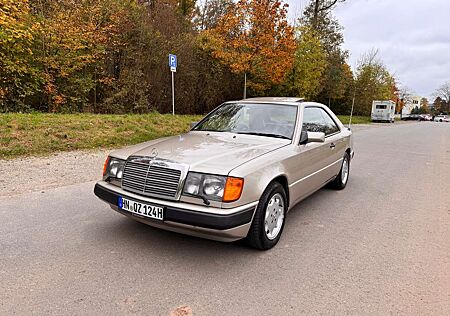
264,134
205,200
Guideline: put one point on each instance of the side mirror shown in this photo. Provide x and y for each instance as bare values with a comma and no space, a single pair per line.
303,138
314,137
192,124
311,137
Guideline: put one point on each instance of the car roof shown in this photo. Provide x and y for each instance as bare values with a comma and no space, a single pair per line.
275,99
280,101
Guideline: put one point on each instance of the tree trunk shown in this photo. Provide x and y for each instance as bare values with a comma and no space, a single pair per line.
316,13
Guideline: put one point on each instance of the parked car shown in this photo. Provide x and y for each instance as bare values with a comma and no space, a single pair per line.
441,118
411,117
425,117
235,174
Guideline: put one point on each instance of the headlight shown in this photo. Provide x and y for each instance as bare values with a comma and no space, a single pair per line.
113,168
212,187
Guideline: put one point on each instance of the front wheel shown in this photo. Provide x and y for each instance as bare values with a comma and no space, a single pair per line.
342,178
268,222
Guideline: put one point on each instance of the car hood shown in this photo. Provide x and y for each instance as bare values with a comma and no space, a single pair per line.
208,152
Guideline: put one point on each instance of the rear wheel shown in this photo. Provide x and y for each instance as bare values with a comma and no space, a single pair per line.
342,178
268,222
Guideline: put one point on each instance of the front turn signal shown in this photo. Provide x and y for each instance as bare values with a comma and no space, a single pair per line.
233,189
105,166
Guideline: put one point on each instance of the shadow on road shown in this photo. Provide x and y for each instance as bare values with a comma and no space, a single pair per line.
135,237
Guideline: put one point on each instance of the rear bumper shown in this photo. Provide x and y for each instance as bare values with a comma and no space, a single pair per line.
212,223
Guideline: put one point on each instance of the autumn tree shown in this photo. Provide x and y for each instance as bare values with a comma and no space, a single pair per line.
110,56
424,102
395,96
424,109
71,50
19,73
138,63
254,38
107,56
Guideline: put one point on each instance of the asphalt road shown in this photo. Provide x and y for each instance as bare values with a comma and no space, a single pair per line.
381,246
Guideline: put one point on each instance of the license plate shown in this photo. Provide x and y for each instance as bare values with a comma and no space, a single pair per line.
142,209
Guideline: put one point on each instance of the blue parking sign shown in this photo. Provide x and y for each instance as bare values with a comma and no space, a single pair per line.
173,62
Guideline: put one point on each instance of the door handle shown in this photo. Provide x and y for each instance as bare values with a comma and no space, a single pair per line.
332,145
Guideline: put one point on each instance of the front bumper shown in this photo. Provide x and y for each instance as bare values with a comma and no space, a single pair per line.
201,221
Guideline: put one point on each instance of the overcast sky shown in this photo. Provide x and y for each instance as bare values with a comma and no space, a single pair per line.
413,37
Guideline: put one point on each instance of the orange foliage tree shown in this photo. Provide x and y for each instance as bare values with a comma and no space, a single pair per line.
74,40
254,38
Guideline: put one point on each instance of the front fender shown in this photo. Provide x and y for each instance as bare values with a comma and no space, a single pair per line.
257,176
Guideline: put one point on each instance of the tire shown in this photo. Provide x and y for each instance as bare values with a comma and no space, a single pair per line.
341,180
257,236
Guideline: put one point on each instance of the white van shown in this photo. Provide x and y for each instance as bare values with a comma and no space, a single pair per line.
383,111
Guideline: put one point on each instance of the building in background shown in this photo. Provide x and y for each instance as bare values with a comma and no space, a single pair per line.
410,105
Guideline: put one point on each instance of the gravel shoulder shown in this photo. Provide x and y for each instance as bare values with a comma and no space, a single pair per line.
65,168
40,173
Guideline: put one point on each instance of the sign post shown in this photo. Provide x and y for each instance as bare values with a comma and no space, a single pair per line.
245,85
173,69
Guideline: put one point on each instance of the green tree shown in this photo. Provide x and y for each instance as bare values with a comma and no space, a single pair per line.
310,63
341,94
373,82
335,81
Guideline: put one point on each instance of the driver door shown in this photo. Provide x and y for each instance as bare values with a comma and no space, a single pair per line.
313,161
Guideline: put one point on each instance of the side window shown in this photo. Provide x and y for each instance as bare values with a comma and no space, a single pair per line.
312,120
330,126
317,120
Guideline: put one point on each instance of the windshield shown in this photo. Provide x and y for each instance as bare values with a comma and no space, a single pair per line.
272,120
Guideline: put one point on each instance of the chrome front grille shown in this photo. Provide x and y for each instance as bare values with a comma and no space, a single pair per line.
153,177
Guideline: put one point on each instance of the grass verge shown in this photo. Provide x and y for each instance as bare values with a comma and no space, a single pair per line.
355,119
40,134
